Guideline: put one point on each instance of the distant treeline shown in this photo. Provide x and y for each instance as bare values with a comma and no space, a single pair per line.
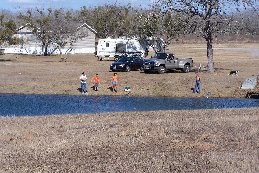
116,21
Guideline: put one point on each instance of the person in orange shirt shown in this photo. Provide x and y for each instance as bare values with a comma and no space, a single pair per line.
96,81
114,82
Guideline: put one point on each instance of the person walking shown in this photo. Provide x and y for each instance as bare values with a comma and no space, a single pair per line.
146,52
197,86
96,81
83,79
114,82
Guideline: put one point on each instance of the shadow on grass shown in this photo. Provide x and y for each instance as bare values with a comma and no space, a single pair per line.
79,89
110,88
252,95
4,60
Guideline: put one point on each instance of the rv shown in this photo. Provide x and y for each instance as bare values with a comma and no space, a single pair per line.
110,48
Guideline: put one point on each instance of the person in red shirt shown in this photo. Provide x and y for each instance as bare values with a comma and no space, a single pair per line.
96,81
114,82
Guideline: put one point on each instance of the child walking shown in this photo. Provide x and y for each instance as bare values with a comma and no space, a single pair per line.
197,86
114,82
96,81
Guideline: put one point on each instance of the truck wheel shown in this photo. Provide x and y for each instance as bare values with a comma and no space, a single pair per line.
161,69
127,68
186,68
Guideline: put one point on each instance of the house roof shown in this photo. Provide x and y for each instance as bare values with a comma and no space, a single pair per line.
21,27
83,25
89,27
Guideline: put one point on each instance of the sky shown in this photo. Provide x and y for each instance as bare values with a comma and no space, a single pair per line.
15,5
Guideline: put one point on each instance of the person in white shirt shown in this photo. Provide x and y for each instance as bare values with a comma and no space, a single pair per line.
83,79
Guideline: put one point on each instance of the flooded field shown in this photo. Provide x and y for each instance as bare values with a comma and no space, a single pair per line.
33,104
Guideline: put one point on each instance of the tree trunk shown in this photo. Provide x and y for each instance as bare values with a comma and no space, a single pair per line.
209,40
210,56
46,50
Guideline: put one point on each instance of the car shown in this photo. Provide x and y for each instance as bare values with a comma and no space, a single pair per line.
127,63
120,55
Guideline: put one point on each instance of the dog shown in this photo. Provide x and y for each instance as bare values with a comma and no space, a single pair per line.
233,72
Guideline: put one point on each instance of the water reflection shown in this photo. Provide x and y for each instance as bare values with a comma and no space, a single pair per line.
29,104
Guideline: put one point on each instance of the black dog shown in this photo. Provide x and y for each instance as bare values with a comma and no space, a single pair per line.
233,72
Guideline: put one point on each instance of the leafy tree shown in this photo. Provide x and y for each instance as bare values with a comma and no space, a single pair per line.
147,24
207,16
7,29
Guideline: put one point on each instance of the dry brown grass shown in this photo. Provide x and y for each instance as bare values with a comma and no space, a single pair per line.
224,140
161,141
36,74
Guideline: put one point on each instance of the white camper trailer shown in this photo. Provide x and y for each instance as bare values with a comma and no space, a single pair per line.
109,48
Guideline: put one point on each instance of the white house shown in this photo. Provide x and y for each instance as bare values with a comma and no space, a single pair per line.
87,43
30,44
28,41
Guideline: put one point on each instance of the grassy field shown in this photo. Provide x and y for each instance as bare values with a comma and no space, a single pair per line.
161,141
47,75
216,141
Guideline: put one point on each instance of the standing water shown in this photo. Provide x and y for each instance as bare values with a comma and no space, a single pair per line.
31,104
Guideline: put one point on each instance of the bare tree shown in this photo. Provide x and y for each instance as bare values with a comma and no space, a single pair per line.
208,16
116,21
108,20
52,27
167,19
247,23
40,23
64,28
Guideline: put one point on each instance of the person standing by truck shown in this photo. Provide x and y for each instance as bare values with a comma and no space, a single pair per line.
146,52
96,81
114,82
197,86
83,79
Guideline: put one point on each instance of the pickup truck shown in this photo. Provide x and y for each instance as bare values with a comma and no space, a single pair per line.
163,62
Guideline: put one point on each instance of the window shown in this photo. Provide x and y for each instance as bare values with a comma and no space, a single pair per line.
107,45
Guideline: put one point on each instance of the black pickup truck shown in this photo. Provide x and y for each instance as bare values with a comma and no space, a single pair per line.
163,62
